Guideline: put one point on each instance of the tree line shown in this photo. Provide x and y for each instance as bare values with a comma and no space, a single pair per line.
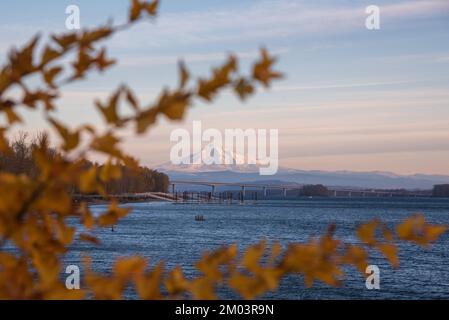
20,160
440,191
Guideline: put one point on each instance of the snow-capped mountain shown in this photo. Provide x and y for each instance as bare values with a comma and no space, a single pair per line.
236,172
211,159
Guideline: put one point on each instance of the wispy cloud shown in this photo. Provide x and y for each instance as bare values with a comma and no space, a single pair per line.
339,85
149,60
272,19
399,142
434,57
443,58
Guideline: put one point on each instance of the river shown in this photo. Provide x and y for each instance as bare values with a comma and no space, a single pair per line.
169,232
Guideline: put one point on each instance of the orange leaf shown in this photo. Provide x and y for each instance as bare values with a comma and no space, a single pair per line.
4,144
49,75
86,216
183,74
113,214
88,180
367,232
11,115
243,88
126,268
137,7
132,100
66,40
88,238
416,230
110,172
262,70
356,256
148,286
390,252
49,55
71,139
109,110
252,256
175,282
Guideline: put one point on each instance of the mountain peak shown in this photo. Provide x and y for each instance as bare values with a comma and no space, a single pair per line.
212,159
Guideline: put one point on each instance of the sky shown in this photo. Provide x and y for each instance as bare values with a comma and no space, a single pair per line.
352,98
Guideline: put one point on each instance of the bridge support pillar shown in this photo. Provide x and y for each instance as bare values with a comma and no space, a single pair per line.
335,193
243,191
284,191
264,192
173,188
213,189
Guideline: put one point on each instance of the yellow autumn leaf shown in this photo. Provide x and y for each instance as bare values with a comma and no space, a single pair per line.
132,100
433,232
65,40
148,286
252,255
108,144
276,250
173,104
262,70
127,268
183,74
4,144
113,214
246,286
389,250
110,172
109,110
12,116
71,139
356,256
64,233
367,232
244,88
51,74
89,238
88,180
49,54
145,119
202,289
87,218
137,7
176,283
415,229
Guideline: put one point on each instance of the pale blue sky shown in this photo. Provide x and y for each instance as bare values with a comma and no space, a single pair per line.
353,99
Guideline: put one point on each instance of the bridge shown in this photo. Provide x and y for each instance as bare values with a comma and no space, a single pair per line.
125,197
243,186
334,191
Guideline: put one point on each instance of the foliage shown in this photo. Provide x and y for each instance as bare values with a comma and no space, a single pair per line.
440,190
115,179
317,190
34,207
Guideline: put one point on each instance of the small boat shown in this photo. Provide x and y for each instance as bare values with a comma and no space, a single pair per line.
199,218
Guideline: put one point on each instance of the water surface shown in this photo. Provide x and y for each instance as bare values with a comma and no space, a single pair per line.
169,232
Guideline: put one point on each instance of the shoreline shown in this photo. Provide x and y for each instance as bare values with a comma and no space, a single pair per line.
122,200
91,202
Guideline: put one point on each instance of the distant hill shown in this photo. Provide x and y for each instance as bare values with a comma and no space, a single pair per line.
250,173
380,180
